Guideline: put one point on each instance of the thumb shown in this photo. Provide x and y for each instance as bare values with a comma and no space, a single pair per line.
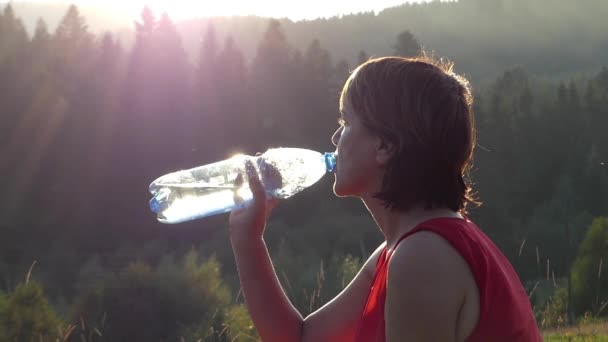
257,189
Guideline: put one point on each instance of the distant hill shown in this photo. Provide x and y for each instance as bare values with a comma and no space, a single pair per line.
553,39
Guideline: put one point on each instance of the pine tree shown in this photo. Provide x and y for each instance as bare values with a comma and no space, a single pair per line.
41,40
13,54
271,83
274,51
148,22
319,98
562,95
341,73
362,57
602,79
207,119
237,126
13,36
15,95
600,111
72,29
72,54
407,45
140,66
159,93
172,78
318,61
526,101
573,97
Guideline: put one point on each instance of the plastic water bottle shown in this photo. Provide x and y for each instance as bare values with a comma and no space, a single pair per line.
210,189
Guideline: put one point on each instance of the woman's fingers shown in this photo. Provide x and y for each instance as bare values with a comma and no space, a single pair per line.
238,183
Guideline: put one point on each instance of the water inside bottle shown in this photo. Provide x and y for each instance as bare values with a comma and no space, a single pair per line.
184,203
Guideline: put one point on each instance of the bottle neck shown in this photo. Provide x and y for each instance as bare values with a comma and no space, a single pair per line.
330,161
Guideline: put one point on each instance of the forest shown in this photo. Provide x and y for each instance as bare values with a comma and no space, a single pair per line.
88,118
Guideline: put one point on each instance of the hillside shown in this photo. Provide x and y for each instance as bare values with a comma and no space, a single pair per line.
483,37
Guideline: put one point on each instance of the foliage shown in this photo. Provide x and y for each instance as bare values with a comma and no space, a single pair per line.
407,45
589,285
3,312
239,324
505,33
26,315
554,313
170,301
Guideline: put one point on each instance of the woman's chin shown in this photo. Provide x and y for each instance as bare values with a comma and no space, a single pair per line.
340,190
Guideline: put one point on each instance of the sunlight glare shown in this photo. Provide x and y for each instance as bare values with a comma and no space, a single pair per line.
192,9
187,9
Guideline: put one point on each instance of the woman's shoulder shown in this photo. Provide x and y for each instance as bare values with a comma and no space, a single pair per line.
426,271
425,246
435,257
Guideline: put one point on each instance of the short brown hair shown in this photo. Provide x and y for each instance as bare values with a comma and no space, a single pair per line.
421,108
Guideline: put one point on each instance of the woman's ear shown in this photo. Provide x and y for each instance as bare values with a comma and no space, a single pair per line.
384,152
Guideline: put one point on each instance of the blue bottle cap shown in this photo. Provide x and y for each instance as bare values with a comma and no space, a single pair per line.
160,200
330,161
155,205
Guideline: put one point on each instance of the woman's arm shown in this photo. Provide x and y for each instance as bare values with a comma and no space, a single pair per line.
275,318
338,320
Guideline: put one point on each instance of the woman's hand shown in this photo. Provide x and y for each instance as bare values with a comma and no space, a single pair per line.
249,222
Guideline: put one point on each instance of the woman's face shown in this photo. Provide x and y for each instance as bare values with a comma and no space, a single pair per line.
358,171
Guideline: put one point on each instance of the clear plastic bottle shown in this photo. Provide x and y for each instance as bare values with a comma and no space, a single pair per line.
210,189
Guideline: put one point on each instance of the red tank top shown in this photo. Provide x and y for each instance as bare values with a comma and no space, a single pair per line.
505,313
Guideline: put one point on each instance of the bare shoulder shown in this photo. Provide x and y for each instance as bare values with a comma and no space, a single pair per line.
425,243
426,289
429,256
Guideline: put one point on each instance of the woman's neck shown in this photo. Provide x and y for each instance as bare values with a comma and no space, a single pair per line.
395,223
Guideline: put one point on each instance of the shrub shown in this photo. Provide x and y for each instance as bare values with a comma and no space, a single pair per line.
554,313
26,315
589,285
167,303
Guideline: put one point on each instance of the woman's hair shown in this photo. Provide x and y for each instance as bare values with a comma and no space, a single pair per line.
422,110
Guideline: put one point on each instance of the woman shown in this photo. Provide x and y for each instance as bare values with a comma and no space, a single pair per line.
404,146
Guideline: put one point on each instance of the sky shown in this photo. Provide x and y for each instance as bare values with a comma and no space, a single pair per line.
295,10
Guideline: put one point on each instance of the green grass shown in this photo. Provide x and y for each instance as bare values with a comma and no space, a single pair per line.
596,332
575,338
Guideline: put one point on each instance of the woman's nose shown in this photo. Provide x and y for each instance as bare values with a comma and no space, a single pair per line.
336,137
